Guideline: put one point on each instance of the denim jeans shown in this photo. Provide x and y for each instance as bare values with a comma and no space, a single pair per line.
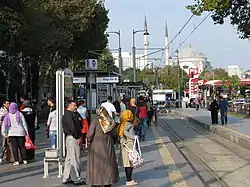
142,128
53,139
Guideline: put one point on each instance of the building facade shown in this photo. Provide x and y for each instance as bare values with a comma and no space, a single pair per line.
235,70
190,58
127,60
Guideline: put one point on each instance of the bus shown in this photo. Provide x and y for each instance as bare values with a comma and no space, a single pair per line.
160,97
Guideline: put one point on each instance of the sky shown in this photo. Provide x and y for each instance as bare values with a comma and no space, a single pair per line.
219,43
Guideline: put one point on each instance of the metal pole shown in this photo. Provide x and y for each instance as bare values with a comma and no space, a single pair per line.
178,79
133,56
120,52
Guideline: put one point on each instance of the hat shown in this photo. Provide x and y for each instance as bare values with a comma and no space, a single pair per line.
27,103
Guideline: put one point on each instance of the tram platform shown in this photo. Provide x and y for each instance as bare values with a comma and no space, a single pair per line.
163,167
237,130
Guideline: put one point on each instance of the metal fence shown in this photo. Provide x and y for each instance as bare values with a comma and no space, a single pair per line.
240,108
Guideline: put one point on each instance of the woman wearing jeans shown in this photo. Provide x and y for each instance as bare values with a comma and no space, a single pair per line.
14,126
51,123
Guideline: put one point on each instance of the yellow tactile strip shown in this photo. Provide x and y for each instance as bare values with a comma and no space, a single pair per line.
172,171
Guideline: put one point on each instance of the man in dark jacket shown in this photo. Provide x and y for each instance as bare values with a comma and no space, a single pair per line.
72,128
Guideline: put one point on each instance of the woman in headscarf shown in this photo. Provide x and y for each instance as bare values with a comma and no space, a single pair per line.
102,169
14,126
127,136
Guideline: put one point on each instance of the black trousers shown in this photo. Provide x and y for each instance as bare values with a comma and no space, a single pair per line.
18,142
214,116
128,172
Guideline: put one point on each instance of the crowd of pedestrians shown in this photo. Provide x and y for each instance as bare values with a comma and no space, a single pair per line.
17,125
117,124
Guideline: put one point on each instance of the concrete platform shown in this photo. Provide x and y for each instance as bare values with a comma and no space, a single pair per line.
237,130
164,167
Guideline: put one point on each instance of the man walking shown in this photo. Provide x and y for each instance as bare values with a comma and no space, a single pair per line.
223,106
72,126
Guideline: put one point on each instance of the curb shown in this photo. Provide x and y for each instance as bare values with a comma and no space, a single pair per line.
225,132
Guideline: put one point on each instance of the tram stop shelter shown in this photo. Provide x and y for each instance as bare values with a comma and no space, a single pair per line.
95,86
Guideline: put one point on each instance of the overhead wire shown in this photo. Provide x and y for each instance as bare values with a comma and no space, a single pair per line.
178,33
191,33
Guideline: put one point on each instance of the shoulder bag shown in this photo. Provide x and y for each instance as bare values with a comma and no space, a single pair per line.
135,157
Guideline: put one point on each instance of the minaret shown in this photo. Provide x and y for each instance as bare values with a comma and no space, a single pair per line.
146,43
166,46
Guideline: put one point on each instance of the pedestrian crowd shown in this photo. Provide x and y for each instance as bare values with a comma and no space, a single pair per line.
18,126
118,124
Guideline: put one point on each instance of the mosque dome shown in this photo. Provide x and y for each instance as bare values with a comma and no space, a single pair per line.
190,52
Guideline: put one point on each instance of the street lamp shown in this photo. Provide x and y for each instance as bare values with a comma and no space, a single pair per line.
119,48
145,33
178,79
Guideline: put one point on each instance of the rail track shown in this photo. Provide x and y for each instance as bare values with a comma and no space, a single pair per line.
167,127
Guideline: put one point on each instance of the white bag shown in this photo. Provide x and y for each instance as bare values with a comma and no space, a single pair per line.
135,156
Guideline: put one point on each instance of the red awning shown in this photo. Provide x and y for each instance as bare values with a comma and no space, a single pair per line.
245,81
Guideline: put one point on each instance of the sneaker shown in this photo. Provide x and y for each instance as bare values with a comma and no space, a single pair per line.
131,183
68,181
16,164
25,162
80,182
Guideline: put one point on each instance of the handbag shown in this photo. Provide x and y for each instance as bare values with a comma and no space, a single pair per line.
135,157
29,144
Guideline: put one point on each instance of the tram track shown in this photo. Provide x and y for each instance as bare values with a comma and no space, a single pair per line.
180,145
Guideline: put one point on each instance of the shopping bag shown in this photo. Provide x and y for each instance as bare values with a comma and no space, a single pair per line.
29,144
135,157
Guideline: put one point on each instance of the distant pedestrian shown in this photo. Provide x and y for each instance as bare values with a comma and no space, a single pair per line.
51,123
72,128
102,169
143,115
197,103
83,111
3,139
214,108
223,106
31,120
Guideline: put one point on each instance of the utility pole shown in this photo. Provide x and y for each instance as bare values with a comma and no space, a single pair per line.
145,32
178,79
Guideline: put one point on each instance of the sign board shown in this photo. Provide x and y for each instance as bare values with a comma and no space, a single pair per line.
79,80
113,79
68,85
91,64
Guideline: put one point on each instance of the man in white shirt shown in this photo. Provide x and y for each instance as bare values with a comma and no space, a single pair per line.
110,107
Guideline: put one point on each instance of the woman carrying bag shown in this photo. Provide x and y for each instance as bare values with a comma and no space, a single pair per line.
127,138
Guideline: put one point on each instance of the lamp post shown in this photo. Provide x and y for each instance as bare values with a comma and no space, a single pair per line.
119,48
145,32
178,78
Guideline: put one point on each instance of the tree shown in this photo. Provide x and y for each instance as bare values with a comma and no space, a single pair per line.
237,11
51,34
169,78
215,74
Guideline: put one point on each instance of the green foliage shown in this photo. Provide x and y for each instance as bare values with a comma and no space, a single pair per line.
53,34
237,11
169,78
